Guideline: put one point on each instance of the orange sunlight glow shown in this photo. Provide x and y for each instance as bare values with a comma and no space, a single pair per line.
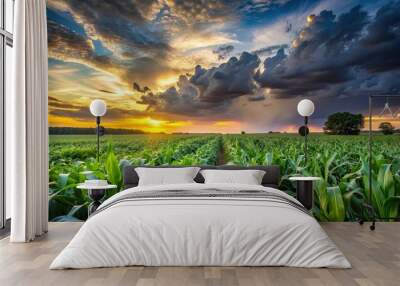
377,120
61,121
223,126
230,123
146,124
167,81
310,18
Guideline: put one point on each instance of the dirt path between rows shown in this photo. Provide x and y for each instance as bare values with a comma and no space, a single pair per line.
221,156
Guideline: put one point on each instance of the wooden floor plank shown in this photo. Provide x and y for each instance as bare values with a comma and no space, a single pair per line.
375,257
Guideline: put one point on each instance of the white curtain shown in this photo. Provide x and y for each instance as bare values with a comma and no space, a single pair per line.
27,151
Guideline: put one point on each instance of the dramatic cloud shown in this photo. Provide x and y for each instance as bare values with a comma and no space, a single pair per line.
328,58
260,6
194,11
129,45
127,35
64,109
137,88
379,50
223,60
270,49
66,44
223,51
229,80
329,55
184,99
209,89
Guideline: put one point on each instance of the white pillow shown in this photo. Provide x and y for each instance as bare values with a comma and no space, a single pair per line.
248,177
166,176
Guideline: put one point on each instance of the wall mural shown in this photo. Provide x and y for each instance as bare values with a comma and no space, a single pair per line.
172,66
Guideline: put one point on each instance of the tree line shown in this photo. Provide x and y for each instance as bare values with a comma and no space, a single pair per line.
90,131
346,123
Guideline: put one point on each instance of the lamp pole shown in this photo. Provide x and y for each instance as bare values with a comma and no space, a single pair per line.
98,108
98,137
305,108
305,138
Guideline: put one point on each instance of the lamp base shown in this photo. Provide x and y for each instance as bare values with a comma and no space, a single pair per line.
96,195
305,193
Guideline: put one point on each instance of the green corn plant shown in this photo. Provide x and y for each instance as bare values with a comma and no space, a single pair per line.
339,160
65,200
385,187
72,214
112,168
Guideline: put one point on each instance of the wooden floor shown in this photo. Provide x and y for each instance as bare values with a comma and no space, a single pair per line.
375,257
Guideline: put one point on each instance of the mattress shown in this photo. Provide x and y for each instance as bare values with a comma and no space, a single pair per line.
201,225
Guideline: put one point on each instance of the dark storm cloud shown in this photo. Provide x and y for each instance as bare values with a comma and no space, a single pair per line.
229,80
184,99
208,90
130,47
335,56
63,43
67,45
128,34
269,49
379,50
223,51
137,88
330,37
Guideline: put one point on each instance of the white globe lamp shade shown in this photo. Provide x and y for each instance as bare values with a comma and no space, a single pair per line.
98,107
305,107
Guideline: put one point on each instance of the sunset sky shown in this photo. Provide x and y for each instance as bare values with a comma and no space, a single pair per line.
219,66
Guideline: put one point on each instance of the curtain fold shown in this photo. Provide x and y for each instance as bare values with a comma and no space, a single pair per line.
28,124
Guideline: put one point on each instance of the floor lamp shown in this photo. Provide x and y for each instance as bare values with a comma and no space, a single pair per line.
371,97
98,108
305,108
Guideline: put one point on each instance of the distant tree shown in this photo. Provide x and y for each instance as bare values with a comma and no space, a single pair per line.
344,123
243,132
387,128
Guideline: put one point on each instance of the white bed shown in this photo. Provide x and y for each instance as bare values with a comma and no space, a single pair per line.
202,231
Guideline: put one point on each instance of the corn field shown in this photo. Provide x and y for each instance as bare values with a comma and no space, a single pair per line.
341,162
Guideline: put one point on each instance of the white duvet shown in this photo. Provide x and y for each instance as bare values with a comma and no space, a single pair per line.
193,231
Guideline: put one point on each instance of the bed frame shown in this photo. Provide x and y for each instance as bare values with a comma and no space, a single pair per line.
270,179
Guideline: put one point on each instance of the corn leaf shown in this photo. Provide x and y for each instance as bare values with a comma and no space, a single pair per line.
336,205
113,171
